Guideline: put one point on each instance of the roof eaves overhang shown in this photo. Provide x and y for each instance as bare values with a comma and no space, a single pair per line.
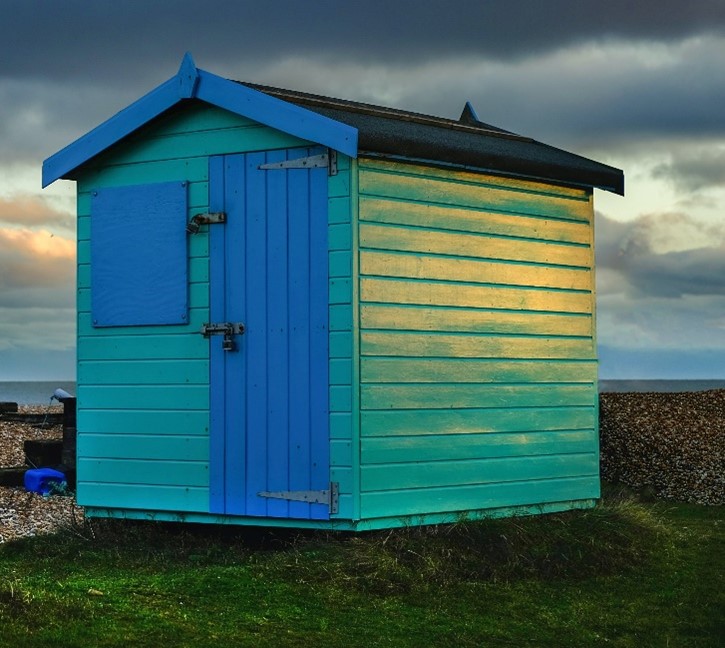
192,83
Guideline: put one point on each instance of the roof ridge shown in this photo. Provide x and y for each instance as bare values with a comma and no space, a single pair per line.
383,111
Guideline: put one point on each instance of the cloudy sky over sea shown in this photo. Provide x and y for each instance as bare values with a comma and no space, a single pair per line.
638,85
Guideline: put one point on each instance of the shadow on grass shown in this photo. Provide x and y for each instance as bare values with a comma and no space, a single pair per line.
612,538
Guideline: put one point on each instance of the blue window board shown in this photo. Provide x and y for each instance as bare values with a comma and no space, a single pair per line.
139,255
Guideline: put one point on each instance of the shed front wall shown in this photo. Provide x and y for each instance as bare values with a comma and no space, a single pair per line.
477,351
143,391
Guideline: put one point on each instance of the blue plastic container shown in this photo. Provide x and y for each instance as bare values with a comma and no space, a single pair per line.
40,480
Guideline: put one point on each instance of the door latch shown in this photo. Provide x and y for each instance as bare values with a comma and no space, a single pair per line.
227,329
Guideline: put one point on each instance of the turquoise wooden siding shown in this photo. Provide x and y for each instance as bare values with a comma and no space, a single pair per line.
477,353
143,392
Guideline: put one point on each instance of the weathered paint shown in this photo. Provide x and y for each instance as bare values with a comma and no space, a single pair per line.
478,365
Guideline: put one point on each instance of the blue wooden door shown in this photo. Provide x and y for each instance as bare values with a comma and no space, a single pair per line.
269,396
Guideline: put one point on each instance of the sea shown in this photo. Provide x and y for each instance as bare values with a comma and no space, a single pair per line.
34,393
39,393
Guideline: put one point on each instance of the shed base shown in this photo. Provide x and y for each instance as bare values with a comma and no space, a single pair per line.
340,525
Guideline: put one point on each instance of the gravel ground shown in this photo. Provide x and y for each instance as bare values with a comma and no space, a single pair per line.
671,446
28,514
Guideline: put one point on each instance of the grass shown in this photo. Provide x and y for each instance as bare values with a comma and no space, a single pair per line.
624,574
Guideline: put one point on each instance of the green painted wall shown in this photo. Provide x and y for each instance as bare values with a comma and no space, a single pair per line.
477,352
143,392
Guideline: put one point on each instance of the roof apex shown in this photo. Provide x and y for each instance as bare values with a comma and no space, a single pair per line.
193,83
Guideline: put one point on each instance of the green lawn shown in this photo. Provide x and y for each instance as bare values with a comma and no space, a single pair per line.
624,574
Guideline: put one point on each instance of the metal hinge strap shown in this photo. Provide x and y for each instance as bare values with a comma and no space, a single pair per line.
331,496
322,161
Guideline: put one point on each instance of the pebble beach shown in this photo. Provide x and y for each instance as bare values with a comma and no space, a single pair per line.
670,446
25,514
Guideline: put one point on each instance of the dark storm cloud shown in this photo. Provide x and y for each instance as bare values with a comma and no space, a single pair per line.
123,40
629,249
703,168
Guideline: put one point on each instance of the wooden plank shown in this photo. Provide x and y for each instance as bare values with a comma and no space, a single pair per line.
477,246
471,370
142,496
192,170
473,177
340,263
422,266
341,371
447,217
137,446
443,191
475,421
446,396
453,447
148,397
321,394
279,352
135,471
257,392
144,372
175,422
340,452
143,347
205,143
411,317
439,345
401,291
478,496
433,474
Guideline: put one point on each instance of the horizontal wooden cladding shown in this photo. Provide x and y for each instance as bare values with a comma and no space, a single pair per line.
471,370
174,422
144,347
148,397
471,320
401,291
142,496
453,447
419,501
400,212
447,396
440,345
138,446
474,421
451,191
144,372
473,177
135,471
418,266
478,246
434,474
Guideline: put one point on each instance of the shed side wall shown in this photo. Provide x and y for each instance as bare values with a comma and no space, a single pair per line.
143,392
478,365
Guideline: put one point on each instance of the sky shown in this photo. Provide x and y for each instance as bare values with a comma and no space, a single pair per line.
637,85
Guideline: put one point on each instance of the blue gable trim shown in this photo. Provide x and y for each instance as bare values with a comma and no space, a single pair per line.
189,83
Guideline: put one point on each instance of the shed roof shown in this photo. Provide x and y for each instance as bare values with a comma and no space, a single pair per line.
349,127
467,142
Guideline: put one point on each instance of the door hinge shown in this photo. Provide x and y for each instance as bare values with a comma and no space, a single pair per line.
227,329
331,496
205,219
324,160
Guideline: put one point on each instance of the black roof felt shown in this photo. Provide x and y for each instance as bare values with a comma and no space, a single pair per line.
467,143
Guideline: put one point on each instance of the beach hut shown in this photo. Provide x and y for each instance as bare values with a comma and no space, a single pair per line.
302,311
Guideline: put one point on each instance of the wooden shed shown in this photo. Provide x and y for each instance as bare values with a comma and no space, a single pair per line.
301,311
